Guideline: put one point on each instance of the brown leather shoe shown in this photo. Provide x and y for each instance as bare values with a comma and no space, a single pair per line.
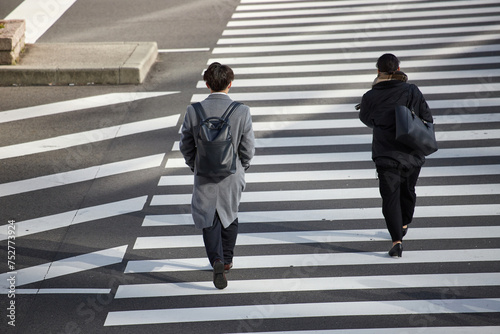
228,266
220,280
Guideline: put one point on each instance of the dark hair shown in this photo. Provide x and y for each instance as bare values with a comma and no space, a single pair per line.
218,76
388,63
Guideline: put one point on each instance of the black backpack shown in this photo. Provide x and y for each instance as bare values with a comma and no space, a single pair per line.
215,154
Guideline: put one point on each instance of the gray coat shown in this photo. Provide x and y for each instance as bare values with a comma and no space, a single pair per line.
223,196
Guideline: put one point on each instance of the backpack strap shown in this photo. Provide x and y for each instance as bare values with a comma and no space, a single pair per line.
229,111
199,110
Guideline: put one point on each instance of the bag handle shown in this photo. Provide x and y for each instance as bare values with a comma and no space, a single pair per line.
408,104
411,107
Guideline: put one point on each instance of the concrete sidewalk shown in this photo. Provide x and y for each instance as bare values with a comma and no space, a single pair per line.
81,64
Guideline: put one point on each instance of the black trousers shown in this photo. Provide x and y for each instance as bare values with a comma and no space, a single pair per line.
220,241
397,188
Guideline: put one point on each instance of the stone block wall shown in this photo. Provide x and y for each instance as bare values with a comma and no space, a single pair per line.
12,35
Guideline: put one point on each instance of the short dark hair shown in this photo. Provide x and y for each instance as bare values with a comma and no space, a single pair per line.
218,76
388,63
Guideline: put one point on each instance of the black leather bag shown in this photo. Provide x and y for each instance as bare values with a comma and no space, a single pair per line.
413,131
215,154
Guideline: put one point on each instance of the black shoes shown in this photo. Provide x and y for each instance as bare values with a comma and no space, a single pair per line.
220,280
396,250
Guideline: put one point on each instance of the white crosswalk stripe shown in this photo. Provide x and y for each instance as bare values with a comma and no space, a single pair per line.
450,153
65,267
333,194
46,181
406,330
351,174
345,45
87,137
334,214
369,34
367,16
80,175
361,66
309,284
83,215
302,66
317,260
430,233
327,80
342,27
344,93
72,105
337,6
284,311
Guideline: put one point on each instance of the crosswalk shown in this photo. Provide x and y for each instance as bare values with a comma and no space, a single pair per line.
311,256
310,217
82,144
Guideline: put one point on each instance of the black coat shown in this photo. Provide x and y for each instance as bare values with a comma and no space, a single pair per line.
377,112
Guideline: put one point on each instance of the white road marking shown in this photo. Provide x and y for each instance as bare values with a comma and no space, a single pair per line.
80,175
401,330
291,216
369,6
273,18
353,78
308,284
401,42
64,291
82,215
319,259
323,236
337,194
405,64
284,159
302,310
335,175
66,266
351,93
348,58
77,104
39,16
183,50
87,137
355,36
339,27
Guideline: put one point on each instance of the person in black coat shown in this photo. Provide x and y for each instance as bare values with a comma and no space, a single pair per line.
398,166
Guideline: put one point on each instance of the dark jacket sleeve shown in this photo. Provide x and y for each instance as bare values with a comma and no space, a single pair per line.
364,113
187,144
421,105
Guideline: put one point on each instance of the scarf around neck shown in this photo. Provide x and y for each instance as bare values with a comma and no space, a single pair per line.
384,76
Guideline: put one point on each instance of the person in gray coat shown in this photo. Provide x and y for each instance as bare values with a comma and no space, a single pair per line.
215,202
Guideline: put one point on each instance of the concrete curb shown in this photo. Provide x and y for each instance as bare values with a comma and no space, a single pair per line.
81,64
137,66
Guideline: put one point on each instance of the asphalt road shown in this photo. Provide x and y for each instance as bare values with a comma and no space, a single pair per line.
100,196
